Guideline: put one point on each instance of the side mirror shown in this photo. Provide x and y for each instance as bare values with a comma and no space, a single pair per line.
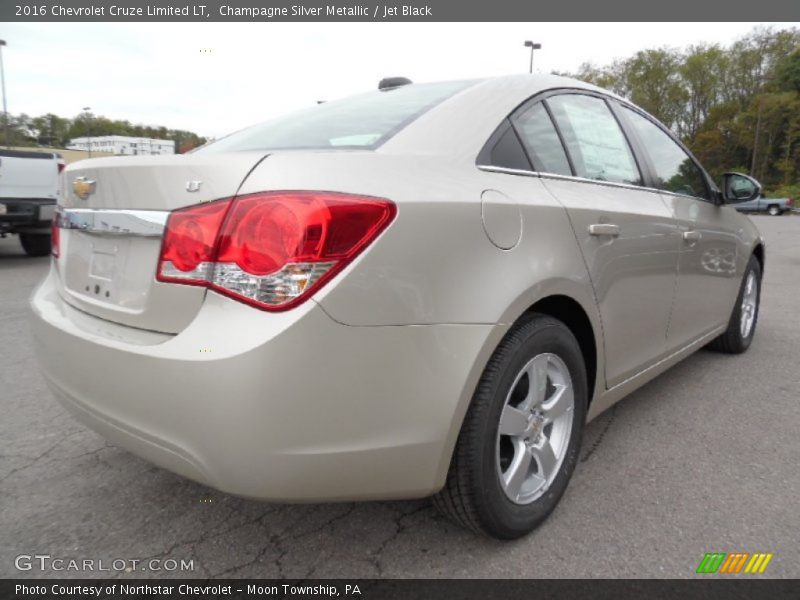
738,187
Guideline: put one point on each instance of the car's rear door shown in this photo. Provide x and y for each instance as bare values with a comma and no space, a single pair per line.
709,269
627,233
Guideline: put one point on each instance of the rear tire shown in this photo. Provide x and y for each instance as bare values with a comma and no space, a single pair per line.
742,324
521,436
774,210
35,244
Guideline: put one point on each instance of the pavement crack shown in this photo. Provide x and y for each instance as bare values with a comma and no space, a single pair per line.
401,526
278,542
38,458
260,554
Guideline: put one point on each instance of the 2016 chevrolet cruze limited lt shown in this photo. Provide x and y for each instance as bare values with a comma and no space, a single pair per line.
423,290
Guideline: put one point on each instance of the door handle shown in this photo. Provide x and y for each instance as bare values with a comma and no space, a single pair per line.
604,229
692,236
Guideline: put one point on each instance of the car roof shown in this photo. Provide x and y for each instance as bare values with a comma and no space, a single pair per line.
460,125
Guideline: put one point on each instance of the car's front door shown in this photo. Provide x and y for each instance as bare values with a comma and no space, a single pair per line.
627,234
708,271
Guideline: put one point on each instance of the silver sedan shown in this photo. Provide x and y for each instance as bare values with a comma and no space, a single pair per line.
427,289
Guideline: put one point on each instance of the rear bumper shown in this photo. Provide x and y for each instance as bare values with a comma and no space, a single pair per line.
26,213
282,406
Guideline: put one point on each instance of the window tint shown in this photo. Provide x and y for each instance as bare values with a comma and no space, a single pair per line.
675,171
504,150
540,137
595,142
362,121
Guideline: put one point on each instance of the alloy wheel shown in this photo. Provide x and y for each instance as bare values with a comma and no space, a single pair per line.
535,428
749,305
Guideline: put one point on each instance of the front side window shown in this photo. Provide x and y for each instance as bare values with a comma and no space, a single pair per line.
541,140
675,170
364,121
594,140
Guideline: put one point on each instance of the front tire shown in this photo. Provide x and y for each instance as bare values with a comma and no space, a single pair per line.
35,244
742,324
520,439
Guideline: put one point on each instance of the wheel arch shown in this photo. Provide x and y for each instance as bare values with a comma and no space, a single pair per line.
758,252
571,313
559,304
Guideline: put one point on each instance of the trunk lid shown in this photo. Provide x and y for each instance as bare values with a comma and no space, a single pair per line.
115,209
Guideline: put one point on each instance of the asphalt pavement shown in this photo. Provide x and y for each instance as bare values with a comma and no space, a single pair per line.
703,459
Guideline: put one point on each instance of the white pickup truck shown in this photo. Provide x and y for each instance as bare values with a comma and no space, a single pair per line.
30,185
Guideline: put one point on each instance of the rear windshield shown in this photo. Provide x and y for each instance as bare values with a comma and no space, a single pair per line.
359,122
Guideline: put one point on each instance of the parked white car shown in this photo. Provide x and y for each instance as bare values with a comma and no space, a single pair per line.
30,185
426,289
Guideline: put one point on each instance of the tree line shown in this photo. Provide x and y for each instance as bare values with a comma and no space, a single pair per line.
54,131
736,107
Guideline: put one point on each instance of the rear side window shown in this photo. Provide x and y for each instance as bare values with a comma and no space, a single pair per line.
675,170
541,140
594,140
358,122
504,150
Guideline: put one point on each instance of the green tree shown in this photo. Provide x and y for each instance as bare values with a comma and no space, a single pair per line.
736,107
653,81
702,72
787,73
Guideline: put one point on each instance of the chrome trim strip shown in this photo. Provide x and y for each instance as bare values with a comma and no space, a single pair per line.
627,186
141,223
541,174
576,179
508,171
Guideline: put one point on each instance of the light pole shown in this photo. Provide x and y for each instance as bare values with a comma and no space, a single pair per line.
86,110
3,80
532,46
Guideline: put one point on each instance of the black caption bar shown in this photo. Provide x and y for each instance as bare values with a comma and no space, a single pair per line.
401,10
406,589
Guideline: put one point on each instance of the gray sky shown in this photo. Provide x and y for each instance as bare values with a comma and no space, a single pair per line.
156,73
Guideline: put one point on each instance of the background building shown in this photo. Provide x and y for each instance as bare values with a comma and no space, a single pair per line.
120,144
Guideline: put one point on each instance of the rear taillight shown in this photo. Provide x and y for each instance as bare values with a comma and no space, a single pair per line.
61,166
188,249
272,250
55,234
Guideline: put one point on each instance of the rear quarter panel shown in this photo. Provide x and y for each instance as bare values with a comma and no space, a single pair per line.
435,264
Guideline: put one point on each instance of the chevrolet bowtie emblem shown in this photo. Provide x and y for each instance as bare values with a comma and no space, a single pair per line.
83,187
